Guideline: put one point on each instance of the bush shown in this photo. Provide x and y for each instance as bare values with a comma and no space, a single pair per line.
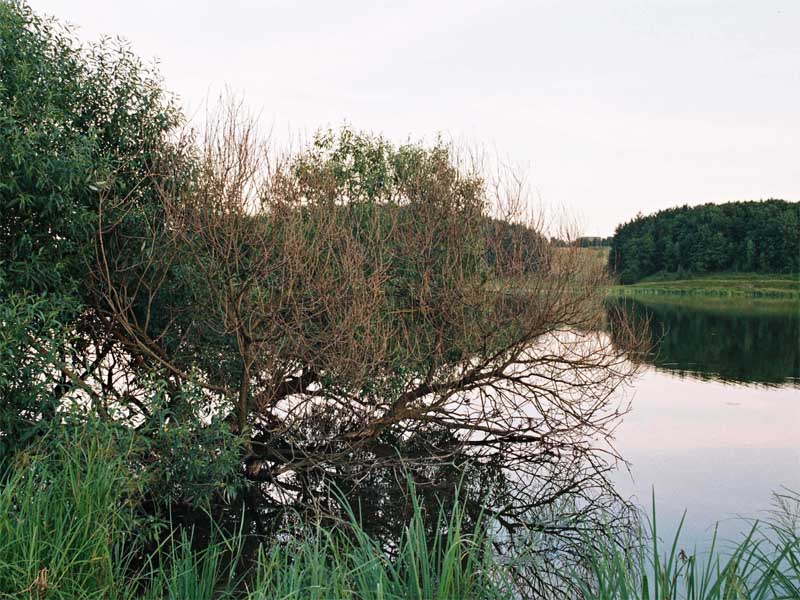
77,124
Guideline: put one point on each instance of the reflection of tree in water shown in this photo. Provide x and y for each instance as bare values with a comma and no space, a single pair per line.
352,334
545,501
547,510
728,345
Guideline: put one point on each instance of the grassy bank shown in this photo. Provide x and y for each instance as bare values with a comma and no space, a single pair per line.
727,285
69,528
726,304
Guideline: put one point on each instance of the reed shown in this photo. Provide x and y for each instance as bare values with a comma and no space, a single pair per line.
345,562
763,565
68,530
63,522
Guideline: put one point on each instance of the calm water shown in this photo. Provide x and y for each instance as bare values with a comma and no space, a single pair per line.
715,420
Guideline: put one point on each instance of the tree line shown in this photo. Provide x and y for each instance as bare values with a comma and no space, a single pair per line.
758,236
581,242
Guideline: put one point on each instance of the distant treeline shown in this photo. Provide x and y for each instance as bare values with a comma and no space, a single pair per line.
582,242
737,236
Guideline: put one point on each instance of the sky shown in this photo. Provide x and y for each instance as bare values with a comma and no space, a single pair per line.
608,108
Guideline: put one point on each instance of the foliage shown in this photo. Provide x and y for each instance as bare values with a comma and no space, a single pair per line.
751,344
332,316
583,242
70,118
64,520
763,565
75,124
345,562
68,530
72,525
184,452
355,308
761,237
30,382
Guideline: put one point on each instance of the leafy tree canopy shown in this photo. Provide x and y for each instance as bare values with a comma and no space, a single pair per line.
70,117
737,236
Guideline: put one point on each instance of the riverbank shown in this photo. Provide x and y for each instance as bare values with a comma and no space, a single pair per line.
71,529
721,285
785,305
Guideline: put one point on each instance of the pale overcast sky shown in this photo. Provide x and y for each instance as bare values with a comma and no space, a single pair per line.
610,108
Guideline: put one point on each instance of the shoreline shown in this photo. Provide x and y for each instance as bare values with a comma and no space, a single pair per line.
752,286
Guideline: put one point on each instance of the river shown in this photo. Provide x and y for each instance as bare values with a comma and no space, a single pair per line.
714,426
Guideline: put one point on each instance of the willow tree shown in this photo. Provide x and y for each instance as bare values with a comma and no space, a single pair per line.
70,117
363,308
351,313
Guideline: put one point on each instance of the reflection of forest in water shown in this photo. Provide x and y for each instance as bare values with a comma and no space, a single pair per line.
712,341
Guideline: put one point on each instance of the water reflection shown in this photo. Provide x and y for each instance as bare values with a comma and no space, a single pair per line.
544,510
702,445
713,449
713,426
728,341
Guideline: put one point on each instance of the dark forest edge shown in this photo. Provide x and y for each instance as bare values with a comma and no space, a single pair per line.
689,242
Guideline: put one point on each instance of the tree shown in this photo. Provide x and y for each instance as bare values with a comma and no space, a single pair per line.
70,117
347,314
750,255
340,306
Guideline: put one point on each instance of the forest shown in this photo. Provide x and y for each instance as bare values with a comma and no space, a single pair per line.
753,237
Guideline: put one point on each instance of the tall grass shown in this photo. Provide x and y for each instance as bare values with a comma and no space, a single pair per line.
763,565
178,570
63,522
345,562
67,530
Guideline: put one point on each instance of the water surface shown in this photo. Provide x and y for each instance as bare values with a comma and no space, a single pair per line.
715,421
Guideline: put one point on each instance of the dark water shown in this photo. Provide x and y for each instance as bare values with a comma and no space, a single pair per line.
739,343
714,427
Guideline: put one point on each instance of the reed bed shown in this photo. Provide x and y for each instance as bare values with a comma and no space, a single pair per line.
69,530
